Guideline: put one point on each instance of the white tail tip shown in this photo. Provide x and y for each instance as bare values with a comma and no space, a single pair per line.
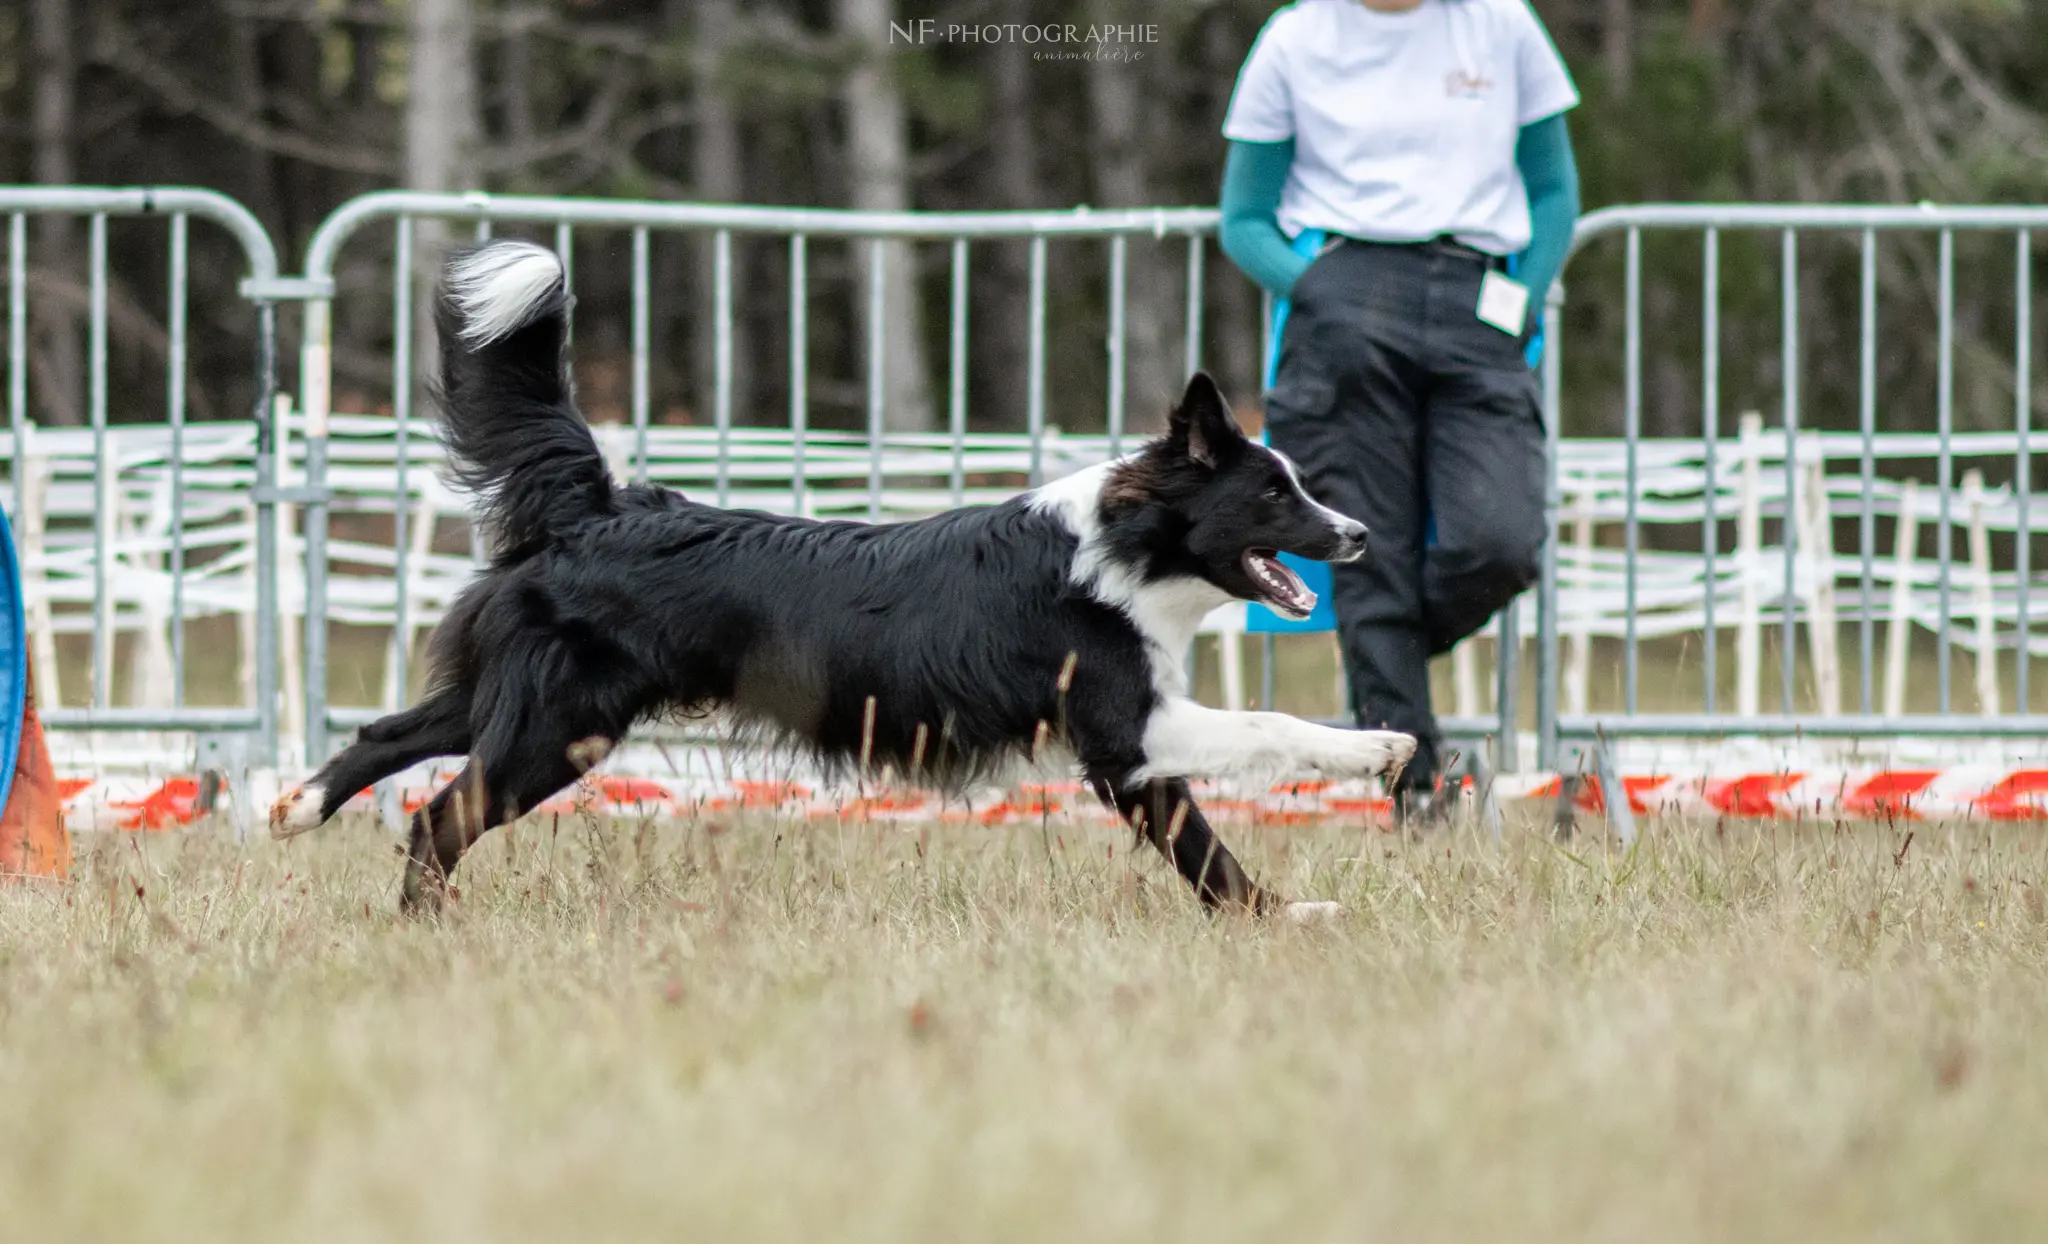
499,288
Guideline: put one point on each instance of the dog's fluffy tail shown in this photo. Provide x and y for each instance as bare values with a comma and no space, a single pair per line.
509,417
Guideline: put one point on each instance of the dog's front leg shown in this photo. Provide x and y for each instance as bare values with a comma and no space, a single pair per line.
1186,739
1183,739
1164,814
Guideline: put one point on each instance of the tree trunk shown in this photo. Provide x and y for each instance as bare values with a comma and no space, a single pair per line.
1618,45
441,127
878,169
716,177
366,62
442,132
1704,21
515,89
53,126
1117,95
245,43
1000,307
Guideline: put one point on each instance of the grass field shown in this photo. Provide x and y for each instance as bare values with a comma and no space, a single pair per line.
756,1031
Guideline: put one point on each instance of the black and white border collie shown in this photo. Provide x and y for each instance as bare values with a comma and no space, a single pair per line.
942,649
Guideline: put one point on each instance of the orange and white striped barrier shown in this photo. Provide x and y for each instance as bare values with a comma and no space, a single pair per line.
1960,792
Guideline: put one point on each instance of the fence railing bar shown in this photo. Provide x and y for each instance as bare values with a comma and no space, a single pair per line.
174,386
878,369
2023,466
1119,263
103,474
131,718
314,620
1267,646
1801,216
1944,416
1788,654
1196,253
817,222
401,417
956,372
721,357
1710,430
1632,428
264,416
641,298
1552,364
799,365
1866,410
1034,403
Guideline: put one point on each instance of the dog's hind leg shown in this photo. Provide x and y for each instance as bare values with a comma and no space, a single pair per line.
441,830
436,726
1163,812
485,795
547,743
482,797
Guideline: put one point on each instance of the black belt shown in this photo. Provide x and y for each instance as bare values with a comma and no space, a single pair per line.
1443,244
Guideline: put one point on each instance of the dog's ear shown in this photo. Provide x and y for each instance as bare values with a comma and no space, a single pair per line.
1204,421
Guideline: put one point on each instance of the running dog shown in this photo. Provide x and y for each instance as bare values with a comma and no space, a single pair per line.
944,649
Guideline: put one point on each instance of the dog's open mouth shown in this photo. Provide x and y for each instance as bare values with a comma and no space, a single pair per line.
1280,589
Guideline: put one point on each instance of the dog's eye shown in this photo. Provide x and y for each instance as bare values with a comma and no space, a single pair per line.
1274,494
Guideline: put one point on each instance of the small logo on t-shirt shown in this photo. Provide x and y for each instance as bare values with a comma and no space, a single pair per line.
1462,84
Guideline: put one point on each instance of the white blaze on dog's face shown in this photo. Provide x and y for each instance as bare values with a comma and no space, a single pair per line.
1208,502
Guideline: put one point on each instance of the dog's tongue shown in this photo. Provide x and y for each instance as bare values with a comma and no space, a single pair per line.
1281,586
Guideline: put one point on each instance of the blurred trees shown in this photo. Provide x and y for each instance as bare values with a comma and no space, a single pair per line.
292,106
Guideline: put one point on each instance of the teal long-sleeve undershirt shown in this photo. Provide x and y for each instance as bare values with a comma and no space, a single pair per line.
1255,173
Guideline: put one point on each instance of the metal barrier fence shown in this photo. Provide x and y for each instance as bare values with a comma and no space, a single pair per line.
1999,601
211,500
110,477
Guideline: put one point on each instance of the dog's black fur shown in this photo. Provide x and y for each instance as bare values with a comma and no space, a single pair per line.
940,648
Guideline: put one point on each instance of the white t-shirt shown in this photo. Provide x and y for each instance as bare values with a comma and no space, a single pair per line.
1404,124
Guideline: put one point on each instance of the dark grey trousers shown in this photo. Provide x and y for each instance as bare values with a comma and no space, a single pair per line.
1407,412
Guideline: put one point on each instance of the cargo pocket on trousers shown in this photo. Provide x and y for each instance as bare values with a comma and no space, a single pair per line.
1302,391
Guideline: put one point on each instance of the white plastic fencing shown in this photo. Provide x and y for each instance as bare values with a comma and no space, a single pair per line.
925,474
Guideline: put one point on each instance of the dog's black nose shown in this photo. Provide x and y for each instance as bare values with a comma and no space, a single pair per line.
1351,542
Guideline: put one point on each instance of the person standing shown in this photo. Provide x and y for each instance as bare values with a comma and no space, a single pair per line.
1400,175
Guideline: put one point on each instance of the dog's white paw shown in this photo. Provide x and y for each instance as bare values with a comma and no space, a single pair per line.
1311,913
297,812
1378,751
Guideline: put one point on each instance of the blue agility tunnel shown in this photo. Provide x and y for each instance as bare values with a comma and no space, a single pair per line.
13,659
